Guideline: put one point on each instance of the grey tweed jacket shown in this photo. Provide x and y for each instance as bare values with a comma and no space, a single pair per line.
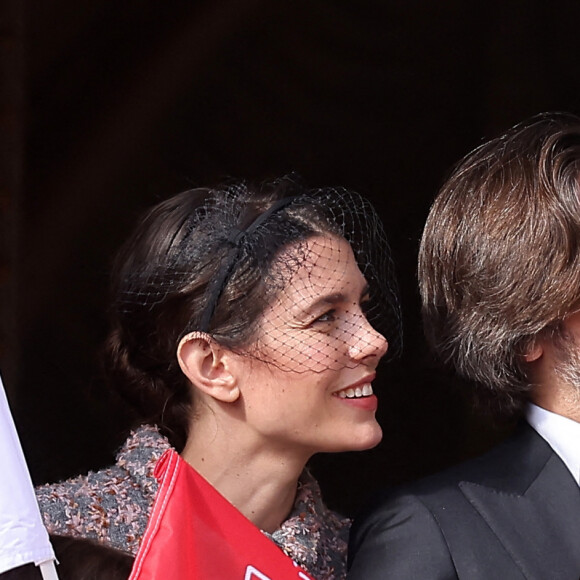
112,506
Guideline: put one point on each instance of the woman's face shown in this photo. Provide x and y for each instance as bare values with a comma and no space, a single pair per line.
307,384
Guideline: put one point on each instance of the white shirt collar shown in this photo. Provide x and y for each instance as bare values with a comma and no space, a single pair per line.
561,433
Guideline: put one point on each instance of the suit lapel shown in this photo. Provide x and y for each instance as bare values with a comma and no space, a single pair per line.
533,507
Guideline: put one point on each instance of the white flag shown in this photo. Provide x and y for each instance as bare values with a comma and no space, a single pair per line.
23,537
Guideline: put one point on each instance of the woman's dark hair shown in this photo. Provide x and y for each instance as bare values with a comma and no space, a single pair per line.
202,260
499,261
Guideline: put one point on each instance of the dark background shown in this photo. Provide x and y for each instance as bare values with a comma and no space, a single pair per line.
108,106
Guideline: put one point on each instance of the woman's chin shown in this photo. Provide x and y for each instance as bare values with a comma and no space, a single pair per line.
373,438
363,437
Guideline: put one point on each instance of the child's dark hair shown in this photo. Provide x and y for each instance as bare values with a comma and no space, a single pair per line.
84,559
80,559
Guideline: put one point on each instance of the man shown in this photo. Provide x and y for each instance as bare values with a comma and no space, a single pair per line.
499,275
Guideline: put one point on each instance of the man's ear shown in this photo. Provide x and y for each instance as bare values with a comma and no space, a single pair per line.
206,364
534,351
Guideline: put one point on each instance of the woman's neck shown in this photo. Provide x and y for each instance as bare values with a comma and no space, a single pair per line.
260,482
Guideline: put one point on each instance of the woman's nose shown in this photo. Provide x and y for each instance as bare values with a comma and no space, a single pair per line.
367,341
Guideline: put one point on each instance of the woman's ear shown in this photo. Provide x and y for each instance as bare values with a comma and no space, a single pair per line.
206,364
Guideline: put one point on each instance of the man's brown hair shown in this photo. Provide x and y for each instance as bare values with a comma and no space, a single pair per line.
499,261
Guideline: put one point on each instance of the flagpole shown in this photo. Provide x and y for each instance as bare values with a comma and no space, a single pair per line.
48,570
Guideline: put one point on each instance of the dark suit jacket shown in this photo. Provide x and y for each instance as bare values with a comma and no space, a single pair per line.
512,513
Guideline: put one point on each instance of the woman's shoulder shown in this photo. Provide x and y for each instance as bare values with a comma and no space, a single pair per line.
135,462
112,504
140,452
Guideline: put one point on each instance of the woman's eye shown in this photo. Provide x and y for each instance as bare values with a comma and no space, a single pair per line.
329,316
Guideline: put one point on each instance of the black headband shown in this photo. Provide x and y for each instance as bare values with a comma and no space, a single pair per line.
235,239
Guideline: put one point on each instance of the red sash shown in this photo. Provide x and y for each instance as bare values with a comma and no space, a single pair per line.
194,533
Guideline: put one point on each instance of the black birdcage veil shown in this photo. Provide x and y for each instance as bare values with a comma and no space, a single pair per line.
240,258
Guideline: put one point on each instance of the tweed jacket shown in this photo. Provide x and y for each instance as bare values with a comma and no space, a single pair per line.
112,506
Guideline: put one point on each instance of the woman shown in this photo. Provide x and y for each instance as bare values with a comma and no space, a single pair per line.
246,332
